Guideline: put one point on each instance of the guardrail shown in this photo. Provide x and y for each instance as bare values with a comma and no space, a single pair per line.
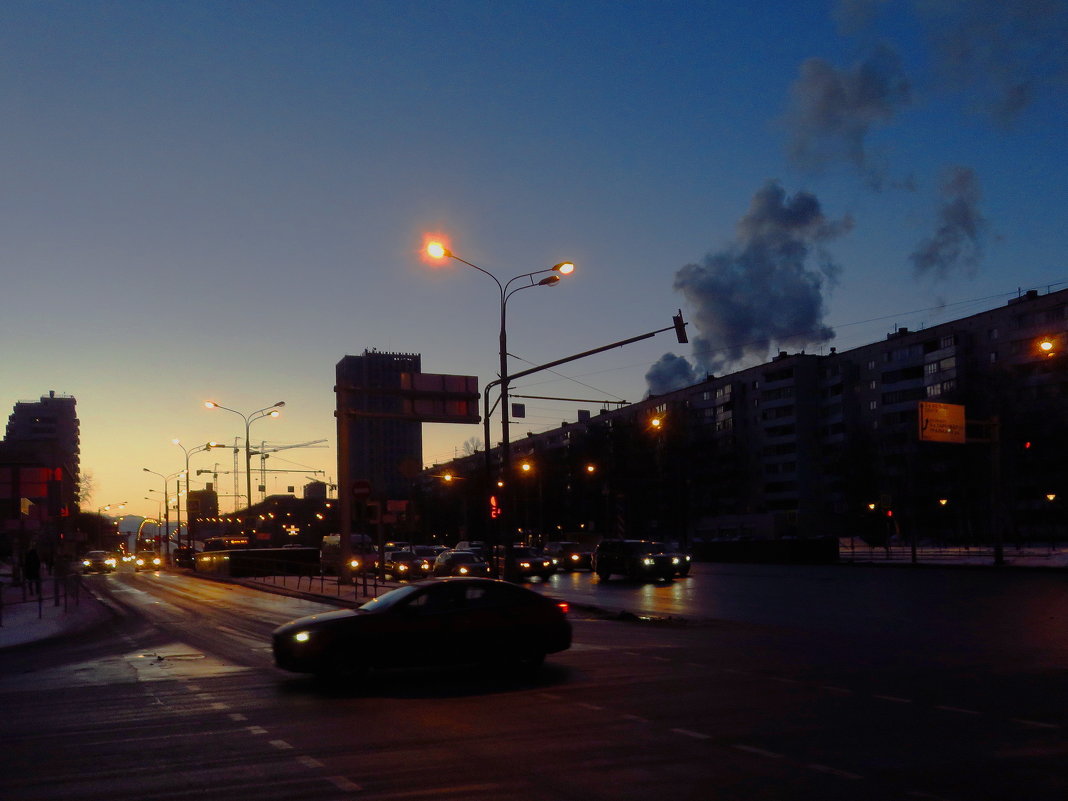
66,591
282,568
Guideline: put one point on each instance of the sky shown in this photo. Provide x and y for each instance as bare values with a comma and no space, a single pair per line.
219,200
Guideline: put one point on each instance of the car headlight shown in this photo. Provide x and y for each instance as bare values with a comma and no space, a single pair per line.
574,557
674,560
462,571
157,561
110,562
402,568
85,562
140,562
648,562
355,563
524,565
302,636
546,564
687,557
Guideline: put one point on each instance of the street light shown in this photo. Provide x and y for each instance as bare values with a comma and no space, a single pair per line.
166,507
250,418
436,251
207,446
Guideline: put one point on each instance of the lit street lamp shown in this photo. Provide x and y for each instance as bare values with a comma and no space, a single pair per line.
207,446
259,414
166,509
438,252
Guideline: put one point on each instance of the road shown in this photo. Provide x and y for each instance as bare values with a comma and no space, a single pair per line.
175,697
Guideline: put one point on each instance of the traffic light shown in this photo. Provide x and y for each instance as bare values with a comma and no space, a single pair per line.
680,328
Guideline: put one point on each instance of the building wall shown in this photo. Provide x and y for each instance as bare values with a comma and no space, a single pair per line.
813,445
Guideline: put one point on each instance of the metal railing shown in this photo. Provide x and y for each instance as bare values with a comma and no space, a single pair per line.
66,592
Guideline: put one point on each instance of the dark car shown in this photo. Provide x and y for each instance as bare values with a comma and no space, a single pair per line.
424,624
526,563
98,562
638,560
147,560
569,556
185,557
407,566
461,563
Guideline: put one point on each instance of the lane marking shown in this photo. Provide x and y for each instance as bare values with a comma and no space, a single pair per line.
344,784
749,749
1038,724
695,734
255,730
893,699
957,709
637,718
309,762
237,716
590,706
281,745
844,774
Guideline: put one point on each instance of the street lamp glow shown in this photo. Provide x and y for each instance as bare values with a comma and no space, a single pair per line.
436,250
564,268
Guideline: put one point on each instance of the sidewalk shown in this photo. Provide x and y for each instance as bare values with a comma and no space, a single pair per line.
1013,556
28,618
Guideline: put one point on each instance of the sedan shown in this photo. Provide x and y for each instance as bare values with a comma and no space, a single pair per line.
147,560
425,624
461,563
406,566
98,562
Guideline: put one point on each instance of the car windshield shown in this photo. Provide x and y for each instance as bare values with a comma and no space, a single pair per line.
466,558
390,599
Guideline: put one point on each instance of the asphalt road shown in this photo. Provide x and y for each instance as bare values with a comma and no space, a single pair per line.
174,696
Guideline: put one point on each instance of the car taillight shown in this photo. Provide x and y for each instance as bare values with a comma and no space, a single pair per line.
563,606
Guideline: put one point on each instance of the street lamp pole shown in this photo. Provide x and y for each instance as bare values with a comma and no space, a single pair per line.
207,446
438,252
250,418
166,510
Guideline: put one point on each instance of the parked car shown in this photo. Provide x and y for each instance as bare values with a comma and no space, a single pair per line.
185,557
569,556
461,563
638,560
427,623
98,562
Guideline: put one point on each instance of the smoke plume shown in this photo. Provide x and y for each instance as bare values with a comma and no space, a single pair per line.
832,111
670,372
762,291
956,244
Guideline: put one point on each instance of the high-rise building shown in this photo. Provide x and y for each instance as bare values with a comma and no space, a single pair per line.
40,466
385,448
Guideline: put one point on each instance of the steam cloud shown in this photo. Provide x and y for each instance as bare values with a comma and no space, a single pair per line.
759,292
957,242
832,111
1005,53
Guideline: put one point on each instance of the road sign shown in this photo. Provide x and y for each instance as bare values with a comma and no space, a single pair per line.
941,422
361,489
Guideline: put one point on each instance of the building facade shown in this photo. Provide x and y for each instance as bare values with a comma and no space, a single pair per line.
40,472
814,446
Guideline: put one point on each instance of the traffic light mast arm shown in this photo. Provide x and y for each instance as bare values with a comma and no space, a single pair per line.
678,326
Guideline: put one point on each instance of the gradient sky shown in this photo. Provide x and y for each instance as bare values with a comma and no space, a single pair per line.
221,199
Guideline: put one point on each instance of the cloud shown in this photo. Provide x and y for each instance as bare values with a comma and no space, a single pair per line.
762,291
956,244
1004,54
670,372
832,111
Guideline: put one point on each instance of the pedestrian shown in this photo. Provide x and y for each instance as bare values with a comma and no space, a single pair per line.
31,569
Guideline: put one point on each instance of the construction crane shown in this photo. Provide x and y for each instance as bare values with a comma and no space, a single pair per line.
266,450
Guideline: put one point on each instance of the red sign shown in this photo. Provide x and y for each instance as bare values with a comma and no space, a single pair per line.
361,488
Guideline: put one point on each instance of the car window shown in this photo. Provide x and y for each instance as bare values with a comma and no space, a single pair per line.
436,599
390,599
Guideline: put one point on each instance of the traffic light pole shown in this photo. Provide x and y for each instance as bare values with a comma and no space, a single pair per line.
678,326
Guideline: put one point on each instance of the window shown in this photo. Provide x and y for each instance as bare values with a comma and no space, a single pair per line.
993,356
948,341
873,405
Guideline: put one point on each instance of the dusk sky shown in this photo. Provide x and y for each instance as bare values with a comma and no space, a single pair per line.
219,200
